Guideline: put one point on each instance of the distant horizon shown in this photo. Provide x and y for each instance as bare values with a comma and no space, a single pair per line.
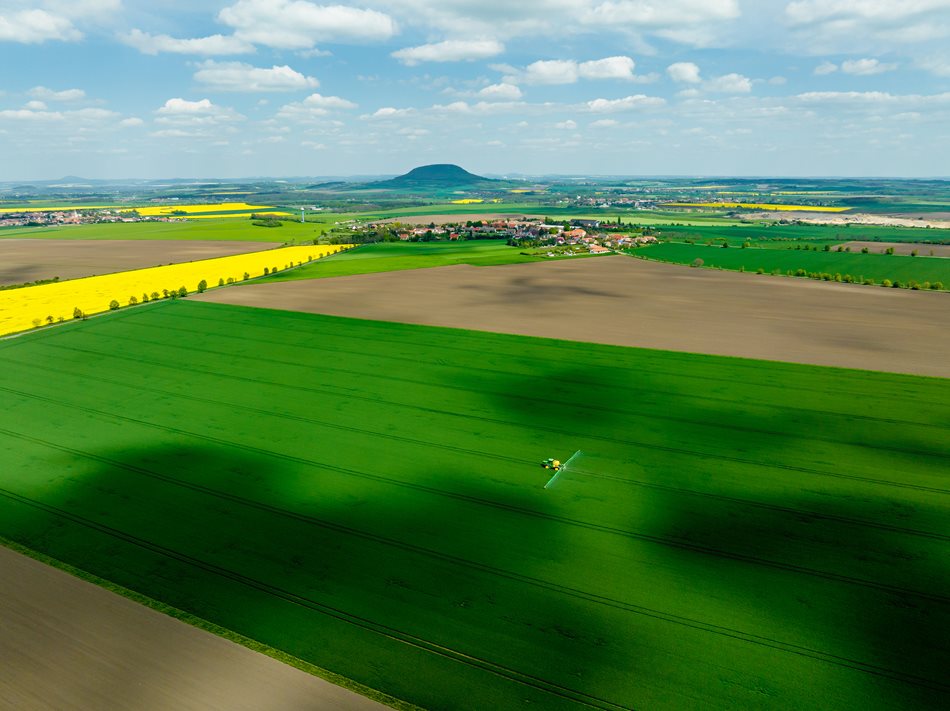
357,177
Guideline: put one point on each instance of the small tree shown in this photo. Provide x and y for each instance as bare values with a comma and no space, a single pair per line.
937,285
155,296
266,271
77,312
37,322
913,253
889,250
887,283
246,276
696,263
49,319
113,305
202,285
182,291
221,281
864,250
133,301
230,280
144,298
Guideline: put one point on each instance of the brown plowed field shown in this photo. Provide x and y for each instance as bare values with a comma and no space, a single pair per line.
25,260
68,645
939,250
630,302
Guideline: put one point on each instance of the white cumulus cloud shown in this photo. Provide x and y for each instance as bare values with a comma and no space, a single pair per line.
298,24
629,103
569,71
208,46
314,106
450,51
501,92
237,76
35,26
729,84
44,94
865,67
182,112
684,72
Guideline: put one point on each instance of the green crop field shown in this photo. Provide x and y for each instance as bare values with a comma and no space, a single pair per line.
236,229
860,266
398,256
777,235
366,497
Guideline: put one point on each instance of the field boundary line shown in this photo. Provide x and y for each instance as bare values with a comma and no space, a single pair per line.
291,597
627,388
211,627
733,361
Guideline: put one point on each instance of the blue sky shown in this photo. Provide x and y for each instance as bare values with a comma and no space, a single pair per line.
237,88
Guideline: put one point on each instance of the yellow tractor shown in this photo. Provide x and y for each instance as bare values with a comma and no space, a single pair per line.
551,463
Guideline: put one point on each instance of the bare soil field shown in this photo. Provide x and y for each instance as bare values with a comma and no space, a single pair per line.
923,250
25,260
631,302
460,217
843,218
940,215
69,645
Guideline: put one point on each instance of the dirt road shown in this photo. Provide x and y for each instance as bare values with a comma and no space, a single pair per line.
68,645
630,302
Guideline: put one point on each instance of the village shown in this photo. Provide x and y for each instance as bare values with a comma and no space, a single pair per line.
593,236
50,218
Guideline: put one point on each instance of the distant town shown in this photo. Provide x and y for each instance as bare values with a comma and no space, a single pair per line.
51,218
594,236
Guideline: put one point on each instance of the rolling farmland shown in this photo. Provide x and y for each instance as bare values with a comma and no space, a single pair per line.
207,229
366,496
57,302
859,266
399,256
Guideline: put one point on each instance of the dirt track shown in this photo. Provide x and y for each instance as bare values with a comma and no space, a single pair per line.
630,302
66,644
24,260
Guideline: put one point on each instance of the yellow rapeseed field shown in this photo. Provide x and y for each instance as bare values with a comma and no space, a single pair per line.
758,206
467,201
58,208
168,210
32,306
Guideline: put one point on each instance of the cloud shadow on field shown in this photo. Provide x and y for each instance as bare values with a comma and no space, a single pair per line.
166,521
535,292
565,396
866,595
